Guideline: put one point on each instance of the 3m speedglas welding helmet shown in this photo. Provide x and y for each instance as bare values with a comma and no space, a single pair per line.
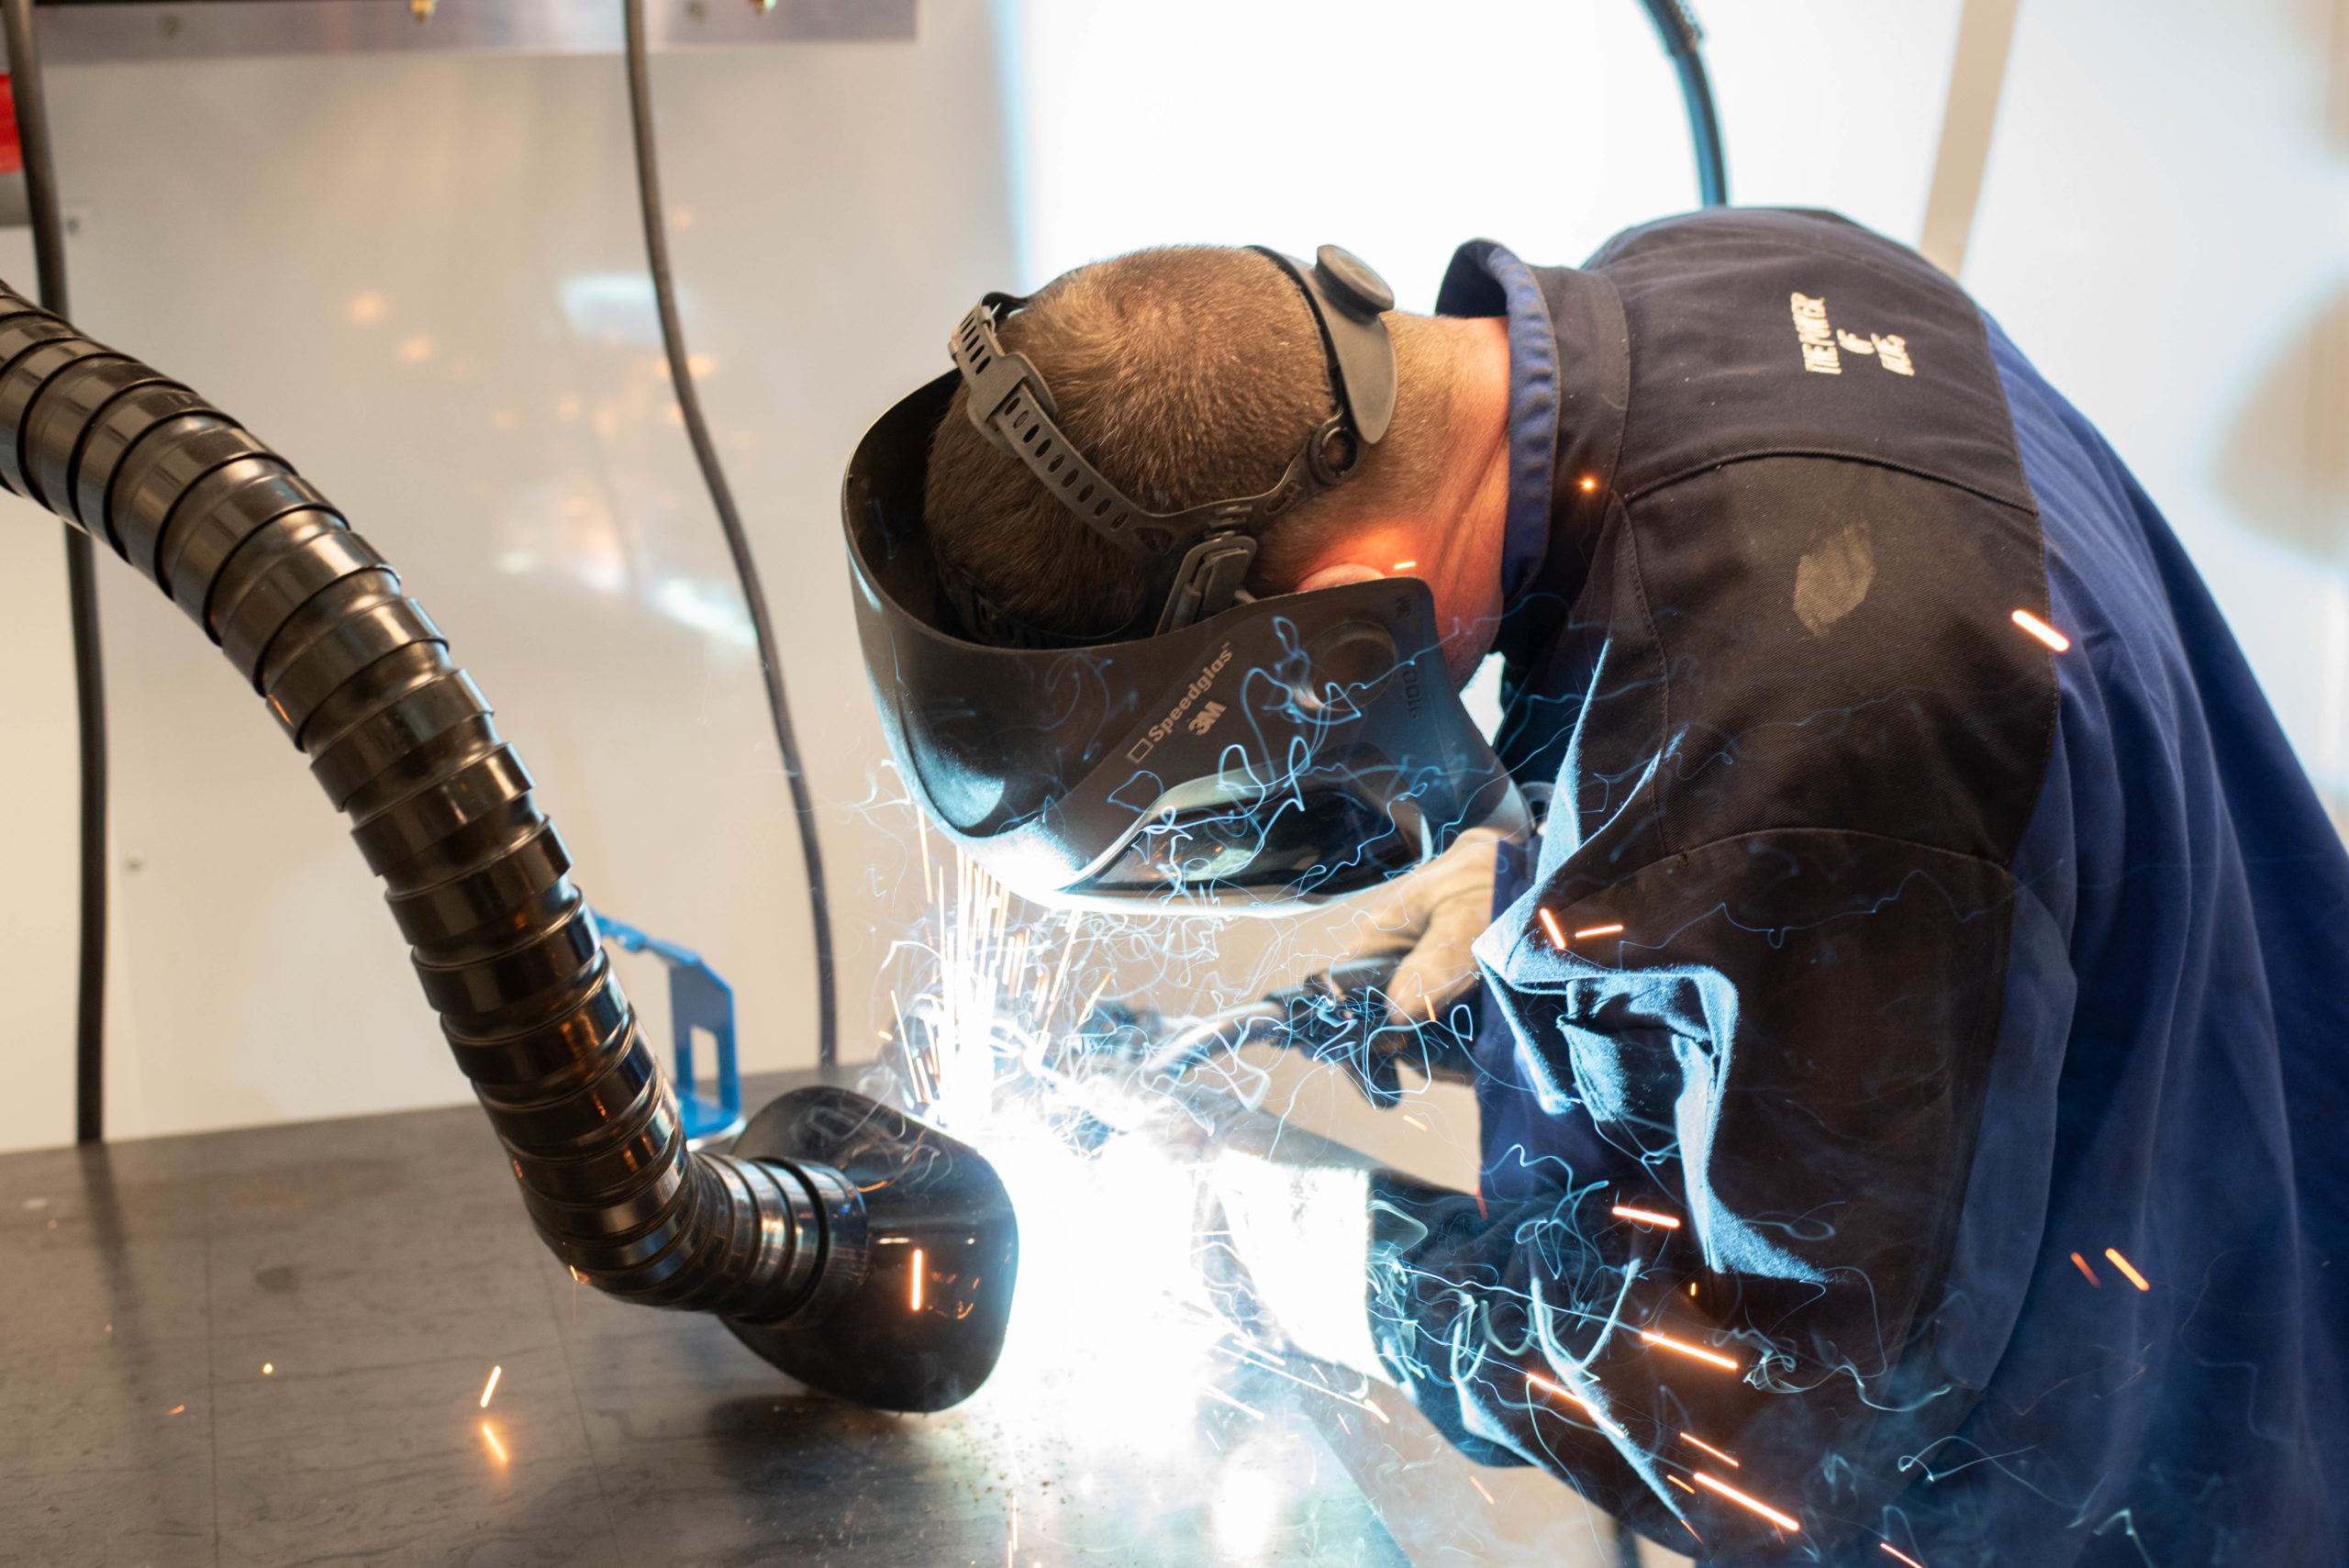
1220,749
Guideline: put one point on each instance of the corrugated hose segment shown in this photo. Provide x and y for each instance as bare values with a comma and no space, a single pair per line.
403,742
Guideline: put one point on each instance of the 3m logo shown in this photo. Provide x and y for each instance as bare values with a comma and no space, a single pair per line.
1821,341
1204,721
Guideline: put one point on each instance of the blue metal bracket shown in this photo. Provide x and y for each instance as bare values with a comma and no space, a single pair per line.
698,999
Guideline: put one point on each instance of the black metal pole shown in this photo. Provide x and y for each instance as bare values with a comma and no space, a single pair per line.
721,499
1675,24
82,589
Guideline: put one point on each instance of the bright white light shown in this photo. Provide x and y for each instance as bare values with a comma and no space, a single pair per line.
1245,1511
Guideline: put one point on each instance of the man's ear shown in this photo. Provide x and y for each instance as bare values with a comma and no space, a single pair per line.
1338,576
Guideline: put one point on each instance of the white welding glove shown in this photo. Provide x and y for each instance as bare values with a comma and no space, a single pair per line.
1300,1237
1430,917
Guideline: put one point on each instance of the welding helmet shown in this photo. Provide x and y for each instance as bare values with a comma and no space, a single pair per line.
1219,751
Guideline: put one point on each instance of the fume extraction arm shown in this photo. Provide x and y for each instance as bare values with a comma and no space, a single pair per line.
863,1253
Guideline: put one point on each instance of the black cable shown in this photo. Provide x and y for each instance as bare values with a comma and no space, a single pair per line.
721,499
1675,24
82,590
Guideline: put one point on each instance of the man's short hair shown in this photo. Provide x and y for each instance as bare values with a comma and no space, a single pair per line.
1185,375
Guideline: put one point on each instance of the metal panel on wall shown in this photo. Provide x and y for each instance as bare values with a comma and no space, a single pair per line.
86,31
421,277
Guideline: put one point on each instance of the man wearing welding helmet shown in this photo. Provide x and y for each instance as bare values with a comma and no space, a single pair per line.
1911,1058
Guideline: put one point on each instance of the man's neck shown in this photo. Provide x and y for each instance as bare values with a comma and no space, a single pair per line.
1476,496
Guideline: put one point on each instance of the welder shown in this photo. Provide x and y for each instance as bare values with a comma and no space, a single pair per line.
1909,1056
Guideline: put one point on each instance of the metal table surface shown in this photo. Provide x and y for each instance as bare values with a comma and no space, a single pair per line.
270,1346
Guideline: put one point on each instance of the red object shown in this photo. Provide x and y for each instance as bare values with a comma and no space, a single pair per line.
12,156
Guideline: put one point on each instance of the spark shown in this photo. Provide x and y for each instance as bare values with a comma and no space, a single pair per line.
2124,1265
1599,932
1550,923
1682,1485
176,1410
1212,1392
489,1434
1095,1000
2041,630
1692,1287
1372,1406
267,1368
1415,1121
1646,1217
1590,484
1053,997
1277,1371
917,1286
2088,1270
491,1387
1900,1554
1405,565
1739,1498
1593,1411
1480,1490
1692,1437
1687,1350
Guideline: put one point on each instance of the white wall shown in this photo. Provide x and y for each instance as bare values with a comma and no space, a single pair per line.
420,278
2164,229
1399,128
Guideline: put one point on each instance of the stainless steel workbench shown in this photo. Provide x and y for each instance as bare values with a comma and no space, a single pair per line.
270,1346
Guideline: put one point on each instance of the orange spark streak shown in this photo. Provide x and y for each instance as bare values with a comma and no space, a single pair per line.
1588,1408
1588,483
917,1286
2041,630
2088,1270
490,1387
1900,1554
1691,1438
1599,932
1646,1217
176,1410
1481,1492
1734,1496
1550,923
1405,565
2124,1265
1682,1485
490,1433
1687,1350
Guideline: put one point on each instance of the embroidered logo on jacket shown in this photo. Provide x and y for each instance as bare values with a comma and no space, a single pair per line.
1823,344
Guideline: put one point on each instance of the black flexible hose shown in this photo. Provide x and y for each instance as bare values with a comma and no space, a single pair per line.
403,742
1675,24
738,544
82,594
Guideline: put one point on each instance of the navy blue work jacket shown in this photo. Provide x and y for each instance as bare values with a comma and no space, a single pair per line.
1914,1063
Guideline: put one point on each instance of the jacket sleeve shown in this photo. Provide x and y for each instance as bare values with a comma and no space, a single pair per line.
1722,1315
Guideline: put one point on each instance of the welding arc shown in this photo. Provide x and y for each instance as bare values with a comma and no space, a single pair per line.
81,594
730,520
